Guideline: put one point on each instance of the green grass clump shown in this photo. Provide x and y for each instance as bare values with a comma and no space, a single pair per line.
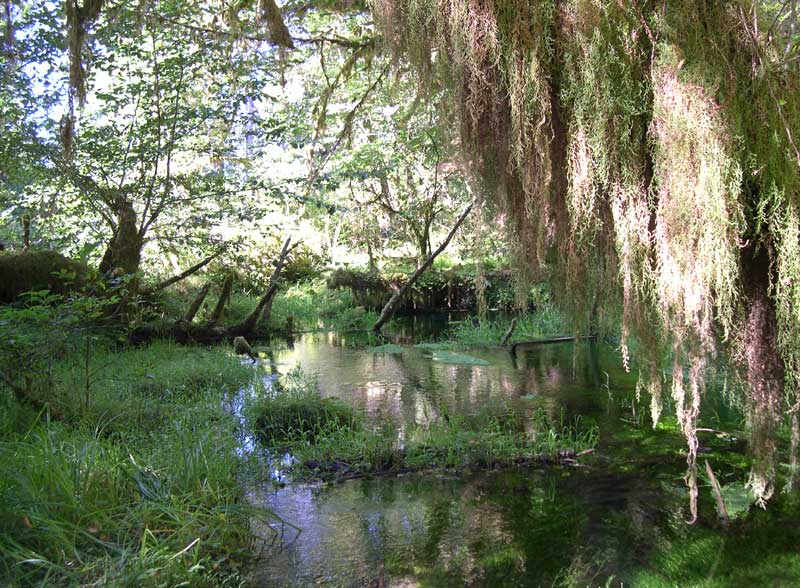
139,483
294,413
386,348
453,444
544,322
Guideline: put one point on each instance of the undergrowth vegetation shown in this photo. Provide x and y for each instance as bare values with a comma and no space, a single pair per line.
137,483
304,306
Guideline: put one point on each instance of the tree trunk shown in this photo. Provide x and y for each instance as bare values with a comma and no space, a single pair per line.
191,312
391,307
182,276
764,369
26,232
125,248
252,319
224,295
372,267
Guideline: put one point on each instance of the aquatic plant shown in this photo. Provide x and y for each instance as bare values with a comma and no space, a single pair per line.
647,158
328,439
543,322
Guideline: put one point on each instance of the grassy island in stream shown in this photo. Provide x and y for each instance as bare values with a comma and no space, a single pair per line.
329,440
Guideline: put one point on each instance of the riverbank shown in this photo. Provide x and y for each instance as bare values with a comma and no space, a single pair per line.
136,482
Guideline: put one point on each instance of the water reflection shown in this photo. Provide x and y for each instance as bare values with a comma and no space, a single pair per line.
618,522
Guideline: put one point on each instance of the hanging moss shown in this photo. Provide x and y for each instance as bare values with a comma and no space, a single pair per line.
645,155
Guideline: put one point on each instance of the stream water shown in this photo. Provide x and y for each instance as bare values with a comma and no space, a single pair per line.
618,520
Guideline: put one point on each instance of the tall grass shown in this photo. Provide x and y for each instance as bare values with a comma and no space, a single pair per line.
544,322
138,485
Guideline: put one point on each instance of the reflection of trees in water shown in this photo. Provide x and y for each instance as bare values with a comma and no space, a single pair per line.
491,531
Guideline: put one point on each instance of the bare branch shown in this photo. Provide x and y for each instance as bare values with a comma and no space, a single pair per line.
182,276
388,311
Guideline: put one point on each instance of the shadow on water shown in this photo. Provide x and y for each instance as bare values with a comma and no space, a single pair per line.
617,521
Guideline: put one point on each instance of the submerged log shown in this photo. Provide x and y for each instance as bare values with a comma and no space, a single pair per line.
391,307
535,342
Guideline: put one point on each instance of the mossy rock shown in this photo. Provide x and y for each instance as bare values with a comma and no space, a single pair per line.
24,271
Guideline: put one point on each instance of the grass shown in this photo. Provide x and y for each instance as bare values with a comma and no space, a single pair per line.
329,440
544,322
294,413
138,485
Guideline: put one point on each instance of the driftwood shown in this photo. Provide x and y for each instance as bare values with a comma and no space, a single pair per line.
185,330
535,342
391,307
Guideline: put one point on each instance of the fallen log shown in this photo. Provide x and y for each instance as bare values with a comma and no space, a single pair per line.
185,330
535,342
391,307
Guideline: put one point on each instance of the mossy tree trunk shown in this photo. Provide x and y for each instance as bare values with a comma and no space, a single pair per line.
124,251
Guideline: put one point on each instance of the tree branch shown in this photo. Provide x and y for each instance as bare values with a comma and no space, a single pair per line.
182,276
388,311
